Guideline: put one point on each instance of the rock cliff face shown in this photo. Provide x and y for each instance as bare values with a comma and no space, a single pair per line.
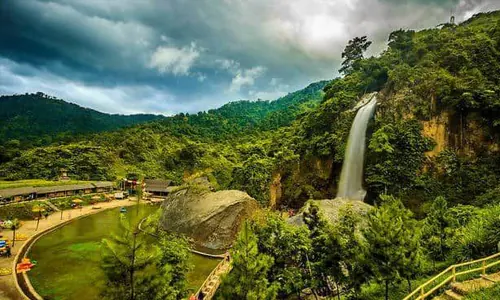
211,219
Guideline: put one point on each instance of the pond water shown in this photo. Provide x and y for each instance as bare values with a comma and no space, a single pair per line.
69,257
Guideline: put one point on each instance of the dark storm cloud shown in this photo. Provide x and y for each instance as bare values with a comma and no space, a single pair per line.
179,55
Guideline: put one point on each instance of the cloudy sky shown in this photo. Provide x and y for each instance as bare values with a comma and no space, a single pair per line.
169,56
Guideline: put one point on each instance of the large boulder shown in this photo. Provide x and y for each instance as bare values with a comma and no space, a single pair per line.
331,209
211,219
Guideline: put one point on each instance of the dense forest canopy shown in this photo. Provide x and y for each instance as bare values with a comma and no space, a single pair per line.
38,119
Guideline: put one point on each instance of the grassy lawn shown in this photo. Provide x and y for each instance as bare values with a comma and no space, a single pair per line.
4,184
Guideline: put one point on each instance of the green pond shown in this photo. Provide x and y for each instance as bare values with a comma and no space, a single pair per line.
69,257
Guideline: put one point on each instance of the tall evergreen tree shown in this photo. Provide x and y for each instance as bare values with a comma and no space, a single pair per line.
248,278
135,269
326,252
289,246
393,238
438,229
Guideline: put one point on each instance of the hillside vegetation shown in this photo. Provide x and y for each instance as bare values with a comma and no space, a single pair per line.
215,142
39,119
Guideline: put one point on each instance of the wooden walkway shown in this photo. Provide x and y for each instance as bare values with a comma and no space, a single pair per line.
448,278
460,290
211,284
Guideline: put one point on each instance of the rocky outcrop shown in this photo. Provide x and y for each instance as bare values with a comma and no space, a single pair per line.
332,208
275,190
211,219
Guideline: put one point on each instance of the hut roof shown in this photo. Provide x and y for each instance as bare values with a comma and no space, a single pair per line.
157,185
63,188
101,184
7,193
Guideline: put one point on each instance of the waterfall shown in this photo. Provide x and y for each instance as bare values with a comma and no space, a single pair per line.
351,177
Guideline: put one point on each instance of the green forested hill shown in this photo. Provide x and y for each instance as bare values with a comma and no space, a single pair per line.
38,119
240,117
168,147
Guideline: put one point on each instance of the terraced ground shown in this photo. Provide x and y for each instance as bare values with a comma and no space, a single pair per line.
473,289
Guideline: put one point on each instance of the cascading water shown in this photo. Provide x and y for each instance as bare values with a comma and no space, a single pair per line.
351,177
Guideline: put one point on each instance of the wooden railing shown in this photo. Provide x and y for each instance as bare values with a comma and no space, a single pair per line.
212,282
451,274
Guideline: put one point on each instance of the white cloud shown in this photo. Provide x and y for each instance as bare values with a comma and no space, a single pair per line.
230,65
177,61
245,78
124,99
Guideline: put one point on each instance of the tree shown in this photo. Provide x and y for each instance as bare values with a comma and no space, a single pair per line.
354,264
401,41
353,53
326,253
392,236
254,177
175,256
438,229
289,246
248,278
136,269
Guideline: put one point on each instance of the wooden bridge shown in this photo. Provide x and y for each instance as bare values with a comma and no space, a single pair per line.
211,284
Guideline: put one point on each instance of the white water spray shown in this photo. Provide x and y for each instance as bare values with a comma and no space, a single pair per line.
351,177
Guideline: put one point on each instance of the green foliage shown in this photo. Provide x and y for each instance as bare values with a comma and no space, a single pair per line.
38,119
248,278
254,177
83,162
22,211
289,246
137,269
480,236
353,53
393,237
395,156
439,227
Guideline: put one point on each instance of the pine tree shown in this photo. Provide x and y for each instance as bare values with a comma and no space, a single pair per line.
438,229
355,269
136,269
289,246
326,252
248,278
393,238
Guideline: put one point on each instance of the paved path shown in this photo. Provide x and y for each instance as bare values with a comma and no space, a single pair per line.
7,285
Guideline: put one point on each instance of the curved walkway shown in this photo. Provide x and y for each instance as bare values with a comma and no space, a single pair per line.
8,284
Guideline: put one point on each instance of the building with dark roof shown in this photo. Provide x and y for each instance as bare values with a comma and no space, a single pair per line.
30,193
157,187
103,186
17,194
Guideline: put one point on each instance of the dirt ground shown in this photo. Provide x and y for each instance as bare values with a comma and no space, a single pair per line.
7,285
